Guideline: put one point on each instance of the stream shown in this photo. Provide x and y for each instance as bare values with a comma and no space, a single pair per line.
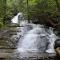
34,41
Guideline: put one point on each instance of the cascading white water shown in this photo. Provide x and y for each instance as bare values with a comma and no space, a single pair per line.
15,18
35,38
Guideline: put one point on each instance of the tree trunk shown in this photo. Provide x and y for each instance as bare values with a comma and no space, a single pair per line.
28,11
58,6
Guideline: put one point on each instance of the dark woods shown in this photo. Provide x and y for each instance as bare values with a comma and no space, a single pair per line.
45,12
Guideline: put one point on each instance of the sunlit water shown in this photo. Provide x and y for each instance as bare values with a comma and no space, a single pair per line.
35,38
15,18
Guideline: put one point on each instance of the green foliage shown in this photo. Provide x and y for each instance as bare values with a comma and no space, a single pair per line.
2,11
30,8
39,7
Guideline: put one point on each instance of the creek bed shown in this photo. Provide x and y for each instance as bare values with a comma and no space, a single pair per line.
32,56
10,54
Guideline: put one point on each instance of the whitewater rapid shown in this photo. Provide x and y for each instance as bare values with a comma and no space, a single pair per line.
36,38
33,38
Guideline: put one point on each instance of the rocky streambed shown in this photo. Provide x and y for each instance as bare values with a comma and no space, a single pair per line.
8,42
6,37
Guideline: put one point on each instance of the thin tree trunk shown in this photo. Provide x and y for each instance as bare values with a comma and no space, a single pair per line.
3,4
58,6
28,11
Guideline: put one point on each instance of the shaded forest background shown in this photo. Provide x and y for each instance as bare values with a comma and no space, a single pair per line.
45,12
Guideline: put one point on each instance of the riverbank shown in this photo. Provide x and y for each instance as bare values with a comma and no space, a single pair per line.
32,56
6,37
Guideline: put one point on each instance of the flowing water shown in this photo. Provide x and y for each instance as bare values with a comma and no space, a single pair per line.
17,18
35,38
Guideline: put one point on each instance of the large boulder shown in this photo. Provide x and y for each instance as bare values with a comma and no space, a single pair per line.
57,47
57,43
46,20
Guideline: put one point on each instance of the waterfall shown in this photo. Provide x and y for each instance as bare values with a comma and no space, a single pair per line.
35,38
16,18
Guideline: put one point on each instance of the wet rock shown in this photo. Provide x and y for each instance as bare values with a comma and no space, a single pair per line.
57,47
46,20
58,50
57,43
